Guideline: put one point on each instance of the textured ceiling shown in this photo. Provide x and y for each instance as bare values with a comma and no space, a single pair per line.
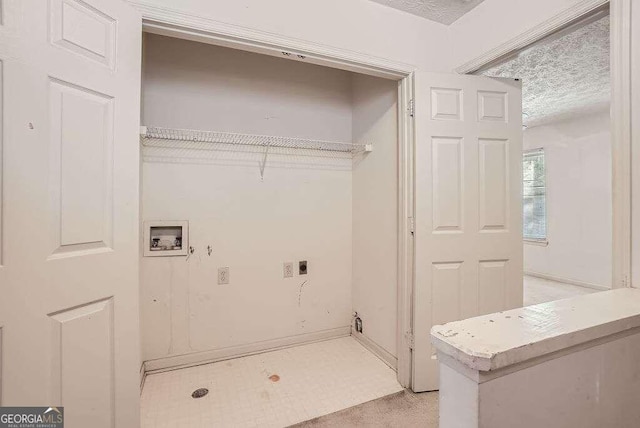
564,78
443,11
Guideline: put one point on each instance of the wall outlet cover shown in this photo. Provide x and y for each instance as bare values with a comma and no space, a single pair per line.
223,275
302,267
287,270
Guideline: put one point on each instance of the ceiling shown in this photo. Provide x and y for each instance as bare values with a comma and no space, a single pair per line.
563,78
443,11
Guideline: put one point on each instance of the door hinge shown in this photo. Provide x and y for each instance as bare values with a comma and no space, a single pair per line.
410,339
411,108
412,225
625,281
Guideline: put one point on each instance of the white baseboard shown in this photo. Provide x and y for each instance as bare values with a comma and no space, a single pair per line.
567,280
205,357
376,349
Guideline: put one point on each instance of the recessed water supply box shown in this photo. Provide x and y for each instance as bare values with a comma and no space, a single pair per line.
166,238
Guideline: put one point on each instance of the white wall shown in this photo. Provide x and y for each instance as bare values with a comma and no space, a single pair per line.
302,210
375,213
579,210
495,22
199,86
357,25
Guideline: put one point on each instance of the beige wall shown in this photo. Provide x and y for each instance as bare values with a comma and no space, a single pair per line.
375,210
301,211
579,206
305,209
199,86
495,22
356,25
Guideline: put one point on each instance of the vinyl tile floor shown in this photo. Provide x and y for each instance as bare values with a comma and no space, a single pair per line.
272,389
538,290
303,383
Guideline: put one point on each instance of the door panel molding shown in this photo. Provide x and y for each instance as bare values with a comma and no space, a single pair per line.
494,187
81,170
447,166
492,286
446,104
84,30
493,106
75,363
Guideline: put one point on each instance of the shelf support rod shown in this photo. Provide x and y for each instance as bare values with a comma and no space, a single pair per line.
264,162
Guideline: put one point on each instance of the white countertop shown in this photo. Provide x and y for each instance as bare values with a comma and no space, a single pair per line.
494,341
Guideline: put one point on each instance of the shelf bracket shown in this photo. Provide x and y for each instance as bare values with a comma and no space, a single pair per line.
264,162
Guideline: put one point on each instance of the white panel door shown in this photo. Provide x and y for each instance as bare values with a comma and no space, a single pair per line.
69,291
468,215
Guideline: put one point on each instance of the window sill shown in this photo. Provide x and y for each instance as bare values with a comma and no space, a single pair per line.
538,242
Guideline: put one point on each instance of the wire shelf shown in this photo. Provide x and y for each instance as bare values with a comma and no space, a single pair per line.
163,137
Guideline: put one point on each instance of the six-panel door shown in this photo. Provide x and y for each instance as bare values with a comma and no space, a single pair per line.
69,206
468,241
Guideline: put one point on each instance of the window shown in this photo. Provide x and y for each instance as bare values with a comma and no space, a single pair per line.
534,206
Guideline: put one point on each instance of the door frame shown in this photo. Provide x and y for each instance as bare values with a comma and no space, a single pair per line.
173,23
620,39
170,22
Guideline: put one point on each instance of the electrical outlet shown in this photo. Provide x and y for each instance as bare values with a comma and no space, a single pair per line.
288,269
223,275
302,267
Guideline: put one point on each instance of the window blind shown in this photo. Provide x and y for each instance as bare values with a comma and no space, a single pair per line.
534,207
